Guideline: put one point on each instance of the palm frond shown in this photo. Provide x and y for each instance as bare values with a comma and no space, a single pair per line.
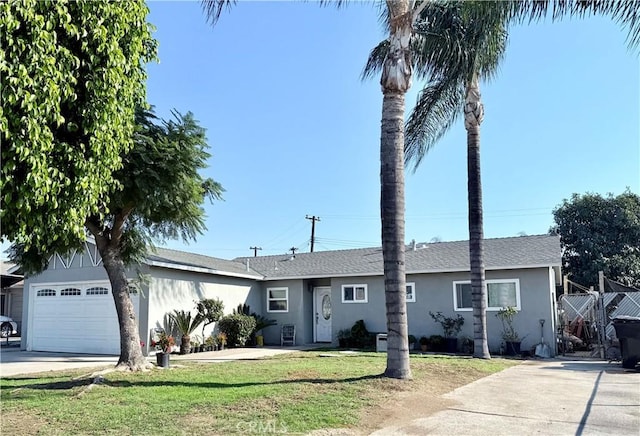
213,9
438,107
185,322
626,13
375,60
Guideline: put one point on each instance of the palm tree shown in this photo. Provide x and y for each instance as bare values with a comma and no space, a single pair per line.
455,45
186,324
403,19
395,80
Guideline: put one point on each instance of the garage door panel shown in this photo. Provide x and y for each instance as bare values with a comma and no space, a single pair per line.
76,323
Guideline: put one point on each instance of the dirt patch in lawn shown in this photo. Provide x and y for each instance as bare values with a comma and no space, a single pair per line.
21,423
399,402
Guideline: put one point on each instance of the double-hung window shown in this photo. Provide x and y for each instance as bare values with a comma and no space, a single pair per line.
500,293
354,294
277,299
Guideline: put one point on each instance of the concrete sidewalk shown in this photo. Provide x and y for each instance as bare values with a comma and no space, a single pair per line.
14,362
551,397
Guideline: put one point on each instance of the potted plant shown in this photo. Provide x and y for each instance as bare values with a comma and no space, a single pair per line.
195,346
210,343
451,327
163,345
467,345
210,310
261,323
436,343
509,334
423,343
222,340
186,324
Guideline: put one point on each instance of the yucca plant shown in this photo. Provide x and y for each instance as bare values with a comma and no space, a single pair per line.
186,324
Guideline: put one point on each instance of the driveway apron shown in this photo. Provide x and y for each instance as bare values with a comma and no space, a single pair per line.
551,397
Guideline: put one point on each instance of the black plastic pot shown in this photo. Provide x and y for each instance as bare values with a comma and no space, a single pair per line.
162,360
451,345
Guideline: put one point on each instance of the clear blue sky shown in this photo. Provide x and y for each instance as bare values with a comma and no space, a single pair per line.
294,131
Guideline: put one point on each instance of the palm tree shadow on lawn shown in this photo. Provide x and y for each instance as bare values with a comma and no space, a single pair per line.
61,385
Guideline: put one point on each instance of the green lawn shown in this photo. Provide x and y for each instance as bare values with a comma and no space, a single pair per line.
292,393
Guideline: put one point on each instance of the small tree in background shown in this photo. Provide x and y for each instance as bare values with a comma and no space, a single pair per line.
600,233
210,310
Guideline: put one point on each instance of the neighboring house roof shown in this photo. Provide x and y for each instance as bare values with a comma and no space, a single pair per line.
9,275
502,253
182,260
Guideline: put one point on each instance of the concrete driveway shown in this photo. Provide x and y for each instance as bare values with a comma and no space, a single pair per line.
551,397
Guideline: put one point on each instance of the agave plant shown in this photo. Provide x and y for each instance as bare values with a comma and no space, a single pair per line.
186,324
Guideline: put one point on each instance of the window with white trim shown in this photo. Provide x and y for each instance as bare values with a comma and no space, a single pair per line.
46,293
97,290
277,299
411,292
354,294
500,293
70,291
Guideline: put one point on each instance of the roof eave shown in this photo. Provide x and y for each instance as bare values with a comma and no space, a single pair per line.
267,278
191,268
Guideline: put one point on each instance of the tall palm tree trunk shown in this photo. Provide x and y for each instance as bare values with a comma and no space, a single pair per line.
393,246
395,81
473,115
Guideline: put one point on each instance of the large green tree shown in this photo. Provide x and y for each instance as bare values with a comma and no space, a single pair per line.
71,75
161,197
600,233
456,44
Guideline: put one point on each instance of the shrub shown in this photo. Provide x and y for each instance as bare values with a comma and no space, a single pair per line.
238,328
360,336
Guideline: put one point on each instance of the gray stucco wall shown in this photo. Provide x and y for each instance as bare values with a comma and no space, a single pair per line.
298,313
434,292
171,290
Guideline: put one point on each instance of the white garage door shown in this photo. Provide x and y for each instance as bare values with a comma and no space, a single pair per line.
76,317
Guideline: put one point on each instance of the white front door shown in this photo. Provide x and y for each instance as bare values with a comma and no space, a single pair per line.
322,306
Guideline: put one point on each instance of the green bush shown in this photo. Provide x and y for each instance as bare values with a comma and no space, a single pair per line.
238,328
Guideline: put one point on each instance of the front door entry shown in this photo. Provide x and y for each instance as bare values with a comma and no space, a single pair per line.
322,307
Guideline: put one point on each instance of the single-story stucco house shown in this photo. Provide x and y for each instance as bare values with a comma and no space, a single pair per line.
68,307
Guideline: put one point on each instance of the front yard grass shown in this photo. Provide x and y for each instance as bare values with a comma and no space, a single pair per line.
293,393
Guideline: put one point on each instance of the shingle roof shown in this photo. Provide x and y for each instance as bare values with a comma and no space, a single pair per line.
181,259
501,253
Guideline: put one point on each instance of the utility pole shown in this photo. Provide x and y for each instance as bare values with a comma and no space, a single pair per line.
293,250
255,250
313,228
